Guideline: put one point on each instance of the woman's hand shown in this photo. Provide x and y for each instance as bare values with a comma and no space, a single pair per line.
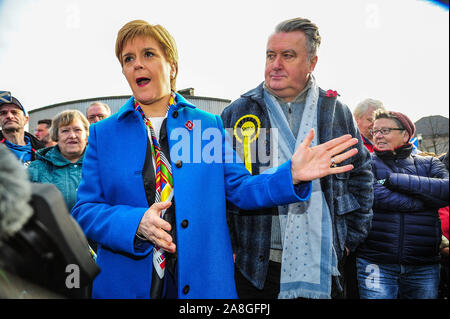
309,163
154,228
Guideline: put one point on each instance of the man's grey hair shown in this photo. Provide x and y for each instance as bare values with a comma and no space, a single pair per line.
365,105
311,31
106,106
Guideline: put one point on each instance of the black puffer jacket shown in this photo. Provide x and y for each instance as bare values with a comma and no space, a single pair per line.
408,191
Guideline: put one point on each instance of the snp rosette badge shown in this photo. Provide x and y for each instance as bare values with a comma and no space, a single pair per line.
246,131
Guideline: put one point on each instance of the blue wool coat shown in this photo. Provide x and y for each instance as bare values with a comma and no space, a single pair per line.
112,201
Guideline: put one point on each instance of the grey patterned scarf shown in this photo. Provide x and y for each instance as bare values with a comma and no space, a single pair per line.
309,260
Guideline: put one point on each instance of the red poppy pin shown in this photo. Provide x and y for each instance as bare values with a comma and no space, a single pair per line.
189,125
331,93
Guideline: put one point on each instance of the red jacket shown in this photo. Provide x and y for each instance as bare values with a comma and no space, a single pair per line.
443,213
368,144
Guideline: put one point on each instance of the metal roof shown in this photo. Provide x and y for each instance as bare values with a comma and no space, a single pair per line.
208,104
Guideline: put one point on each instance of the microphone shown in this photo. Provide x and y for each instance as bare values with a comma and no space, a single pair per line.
43,251
15,193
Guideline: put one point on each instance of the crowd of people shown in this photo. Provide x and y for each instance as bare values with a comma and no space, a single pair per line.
345,208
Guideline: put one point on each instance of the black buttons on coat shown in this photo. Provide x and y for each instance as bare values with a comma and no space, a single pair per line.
175,114
185,223
179,163
186,289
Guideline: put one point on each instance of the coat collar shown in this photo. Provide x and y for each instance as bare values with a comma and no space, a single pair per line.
53,155
400,152
128,107
258,92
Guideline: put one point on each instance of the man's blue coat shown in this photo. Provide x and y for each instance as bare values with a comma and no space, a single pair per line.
112,201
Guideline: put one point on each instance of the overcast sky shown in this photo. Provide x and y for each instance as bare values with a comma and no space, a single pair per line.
394,51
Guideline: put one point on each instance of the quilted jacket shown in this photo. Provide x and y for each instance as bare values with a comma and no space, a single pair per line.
408,191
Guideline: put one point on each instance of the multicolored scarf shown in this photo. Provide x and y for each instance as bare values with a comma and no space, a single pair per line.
163,171
164,192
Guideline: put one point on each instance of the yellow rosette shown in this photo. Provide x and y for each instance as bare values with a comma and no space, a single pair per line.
246,131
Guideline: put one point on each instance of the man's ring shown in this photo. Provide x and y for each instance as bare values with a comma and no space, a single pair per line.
333,163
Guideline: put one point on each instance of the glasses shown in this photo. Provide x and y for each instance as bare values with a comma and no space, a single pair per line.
385,130
92,117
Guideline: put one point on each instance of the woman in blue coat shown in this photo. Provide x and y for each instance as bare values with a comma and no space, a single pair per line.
160,151
400,257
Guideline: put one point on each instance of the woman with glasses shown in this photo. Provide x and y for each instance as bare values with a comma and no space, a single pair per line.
400,257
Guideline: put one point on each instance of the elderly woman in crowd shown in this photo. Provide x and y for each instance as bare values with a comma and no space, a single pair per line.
156,177
61,164
400,257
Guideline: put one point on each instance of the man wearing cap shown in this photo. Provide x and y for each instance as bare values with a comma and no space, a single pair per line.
13,119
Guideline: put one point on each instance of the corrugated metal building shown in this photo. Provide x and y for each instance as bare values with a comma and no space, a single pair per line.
209,104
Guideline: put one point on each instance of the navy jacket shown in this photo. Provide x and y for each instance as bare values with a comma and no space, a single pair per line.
349,195
408,191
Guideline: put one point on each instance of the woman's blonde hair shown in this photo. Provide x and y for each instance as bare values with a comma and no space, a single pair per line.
141,28
66,118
